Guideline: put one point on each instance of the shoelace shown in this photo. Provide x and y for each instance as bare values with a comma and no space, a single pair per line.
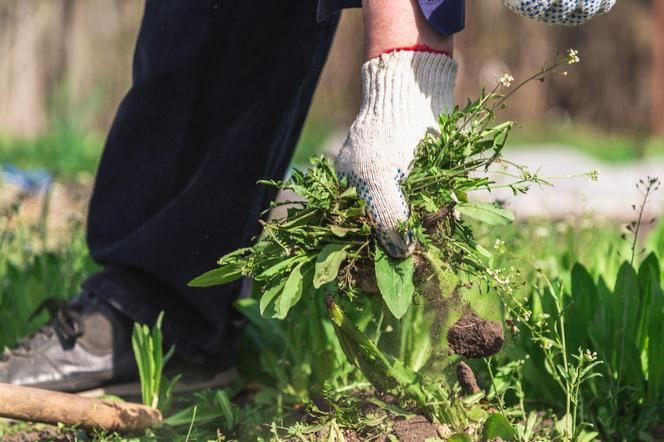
66,322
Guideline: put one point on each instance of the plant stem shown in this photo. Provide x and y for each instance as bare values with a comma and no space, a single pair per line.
526,81
356,385
499,399
568,393
191,424
638,224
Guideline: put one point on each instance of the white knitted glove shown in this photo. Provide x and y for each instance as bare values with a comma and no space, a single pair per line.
403,93
560,12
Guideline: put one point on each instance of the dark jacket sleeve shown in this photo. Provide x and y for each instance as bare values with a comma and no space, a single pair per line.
446,16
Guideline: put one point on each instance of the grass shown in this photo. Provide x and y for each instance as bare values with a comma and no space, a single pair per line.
156,389
65,151
31,272
281,405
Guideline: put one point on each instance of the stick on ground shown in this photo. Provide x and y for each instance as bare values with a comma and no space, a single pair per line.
50,407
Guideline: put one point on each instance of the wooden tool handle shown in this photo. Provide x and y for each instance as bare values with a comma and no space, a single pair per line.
50,407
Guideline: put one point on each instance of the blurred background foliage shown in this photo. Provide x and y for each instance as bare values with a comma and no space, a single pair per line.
65,65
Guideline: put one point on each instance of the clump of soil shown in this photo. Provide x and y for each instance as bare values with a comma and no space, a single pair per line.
466,378
473,337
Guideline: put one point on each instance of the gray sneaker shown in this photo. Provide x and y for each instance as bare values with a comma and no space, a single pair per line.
86,345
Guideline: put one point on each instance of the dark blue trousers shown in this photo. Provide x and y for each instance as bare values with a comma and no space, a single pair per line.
220,92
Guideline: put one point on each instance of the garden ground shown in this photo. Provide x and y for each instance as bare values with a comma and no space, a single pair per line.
43,253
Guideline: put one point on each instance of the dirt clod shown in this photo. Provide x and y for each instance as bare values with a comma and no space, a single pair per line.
473,337
415,429
466,378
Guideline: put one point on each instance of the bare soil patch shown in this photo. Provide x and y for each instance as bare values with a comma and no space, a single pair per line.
415,429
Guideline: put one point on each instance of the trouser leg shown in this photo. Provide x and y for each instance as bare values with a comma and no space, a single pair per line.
219,96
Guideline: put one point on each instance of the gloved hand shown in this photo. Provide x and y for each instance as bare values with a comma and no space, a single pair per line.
403,93
560,12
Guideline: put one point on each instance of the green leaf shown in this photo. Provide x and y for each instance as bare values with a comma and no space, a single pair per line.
292,290
280,267
582,308
350,193
586,436
218,276
487,213
497,425
270,294
483,251
306,216
393,409
627,294
226,408
328,262
236,254
429,204
395,282
382,370
358,210
460,437
649,267
655,332
339,231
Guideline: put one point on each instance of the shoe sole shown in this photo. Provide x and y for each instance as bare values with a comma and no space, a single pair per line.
132,390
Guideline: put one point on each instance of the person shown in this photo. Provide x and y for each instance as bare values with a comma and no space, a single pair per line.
219,95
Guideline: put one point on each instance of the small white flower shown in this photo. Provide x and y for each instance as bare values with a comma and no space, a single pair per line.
506,79
572,56
593,175
590,356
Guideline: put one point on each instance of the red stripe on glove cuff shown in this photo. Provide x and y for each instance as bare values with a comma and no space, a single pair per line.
417,48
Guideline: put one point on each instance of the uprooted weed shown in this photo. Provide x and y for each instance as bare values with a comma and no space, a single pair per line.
324,253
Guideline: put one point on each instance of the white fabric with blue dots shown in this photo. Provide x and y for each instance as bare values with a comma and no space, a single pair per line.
560,12
403,93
